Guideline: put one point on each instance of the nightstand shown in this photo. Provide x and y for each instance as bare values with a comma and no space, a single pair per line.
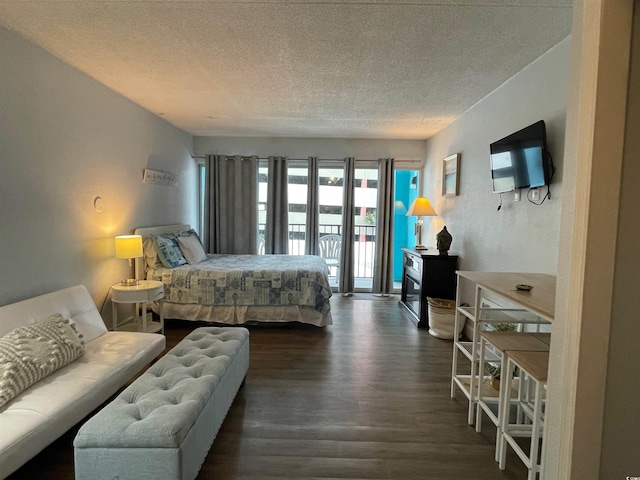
146,291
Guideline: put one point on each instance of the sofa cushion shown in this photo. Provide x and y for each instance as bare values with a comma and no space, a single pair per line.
30,353
74,303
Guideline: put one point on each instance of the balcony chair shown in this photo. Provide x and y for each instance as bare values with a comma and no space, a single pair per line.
330,246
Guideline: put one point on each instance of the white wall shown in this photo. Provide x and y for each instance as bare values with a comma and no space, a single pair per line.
323,148
65,139
521,236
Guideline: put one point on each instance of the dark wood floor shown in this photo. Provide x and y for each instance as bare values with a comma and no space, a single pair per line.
367,397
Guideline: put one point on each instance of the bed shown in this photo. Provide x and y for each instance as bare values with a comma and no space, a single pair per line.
239,289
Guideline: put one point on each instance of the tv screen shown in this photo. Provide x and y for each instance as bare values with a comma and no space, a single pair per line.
521,160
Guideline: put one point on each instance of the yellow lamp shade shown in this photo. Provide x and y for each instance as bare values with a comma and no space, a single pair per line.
421,207
128,246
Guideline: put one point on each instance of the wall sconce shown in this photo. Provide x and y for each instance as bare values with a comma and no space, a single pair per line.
421,207
129,246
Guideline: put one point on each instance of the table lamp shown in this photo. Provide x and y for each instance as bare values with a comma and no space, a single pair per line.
421,207
129,246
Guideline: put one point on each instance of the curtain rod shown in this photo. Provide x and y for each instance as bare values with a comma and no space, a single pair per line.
203,157
293,159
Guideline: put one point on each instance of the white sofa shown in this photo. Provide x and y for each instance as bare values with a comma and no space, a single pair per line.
46,410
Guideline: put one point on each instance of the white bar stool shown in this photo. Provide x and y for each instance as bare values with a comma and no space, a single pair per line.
534,366
502,341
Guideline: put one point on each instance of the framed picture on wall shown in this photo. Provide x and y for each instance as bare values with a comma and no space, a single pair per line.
450,178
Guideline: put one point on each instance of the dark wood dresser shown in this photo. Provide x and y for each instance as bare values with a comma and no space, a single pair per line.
426,273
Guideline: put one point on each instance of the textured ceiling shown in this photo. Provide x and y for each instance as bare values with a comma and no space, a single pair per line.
312,68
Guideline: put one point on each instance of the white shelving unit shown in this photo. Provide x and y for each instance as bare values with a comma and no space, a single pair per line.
537,307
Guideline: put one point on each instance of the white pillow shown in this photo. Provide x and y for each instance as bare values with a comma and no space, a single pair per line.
192,249
150,254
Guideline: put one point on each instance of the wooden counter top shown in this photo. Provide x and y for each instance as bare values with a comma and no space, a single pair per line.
540,300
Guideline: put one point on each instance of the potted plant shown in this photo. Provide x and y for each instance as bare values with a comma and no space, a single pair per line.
493,370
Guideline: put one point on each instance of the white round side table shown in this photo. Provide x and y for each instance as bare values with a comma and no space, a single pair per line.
146,291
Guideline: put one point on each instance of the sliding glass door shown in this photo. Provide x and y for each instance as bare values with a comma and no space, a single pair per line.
263,182
331,211
297,187
366,209
330,194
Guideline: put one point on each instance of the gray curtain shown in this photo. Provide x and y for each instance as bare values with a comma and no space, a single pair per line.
231,204
383,264
313,213
277,227
348,235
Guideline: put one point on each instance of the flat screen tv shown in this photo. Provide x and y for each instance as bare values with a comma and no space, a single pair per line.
521,160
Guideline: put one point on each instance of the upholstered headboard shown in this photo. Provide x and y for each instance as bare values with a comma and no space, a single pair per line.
161,229
147,232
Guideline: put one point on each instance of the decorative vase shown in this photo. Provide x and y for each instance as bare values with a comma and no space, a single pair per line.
443,240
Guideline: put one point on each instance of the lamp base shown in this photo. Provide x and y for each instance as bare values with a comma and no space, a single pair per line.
129,282
421,247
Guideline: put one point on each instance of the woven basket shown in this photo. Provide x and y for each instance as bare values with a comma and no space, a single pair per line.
442,316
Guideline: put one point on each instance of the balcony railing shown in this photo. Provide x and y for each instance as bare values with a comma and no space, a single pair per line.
364,246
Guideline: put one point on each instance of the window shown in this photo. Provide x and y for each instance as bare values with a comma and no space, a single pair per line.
297,195
263,179
202,181
297,198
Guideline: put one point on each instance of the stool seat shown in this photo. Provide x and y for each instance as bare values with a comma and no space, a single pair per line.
544,337
536,364
529,341
533,370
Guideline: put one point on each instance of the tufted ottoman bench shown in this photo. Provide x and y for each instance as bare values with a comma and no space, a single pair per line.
163,424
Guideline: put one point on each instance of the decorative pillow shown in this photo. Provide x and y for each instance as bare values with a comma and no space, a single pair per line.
150,254
168,250
192,249
30,353
190,233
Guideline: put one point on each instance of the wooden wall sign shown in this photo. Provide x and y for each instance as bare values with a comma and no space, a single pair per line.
160,178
